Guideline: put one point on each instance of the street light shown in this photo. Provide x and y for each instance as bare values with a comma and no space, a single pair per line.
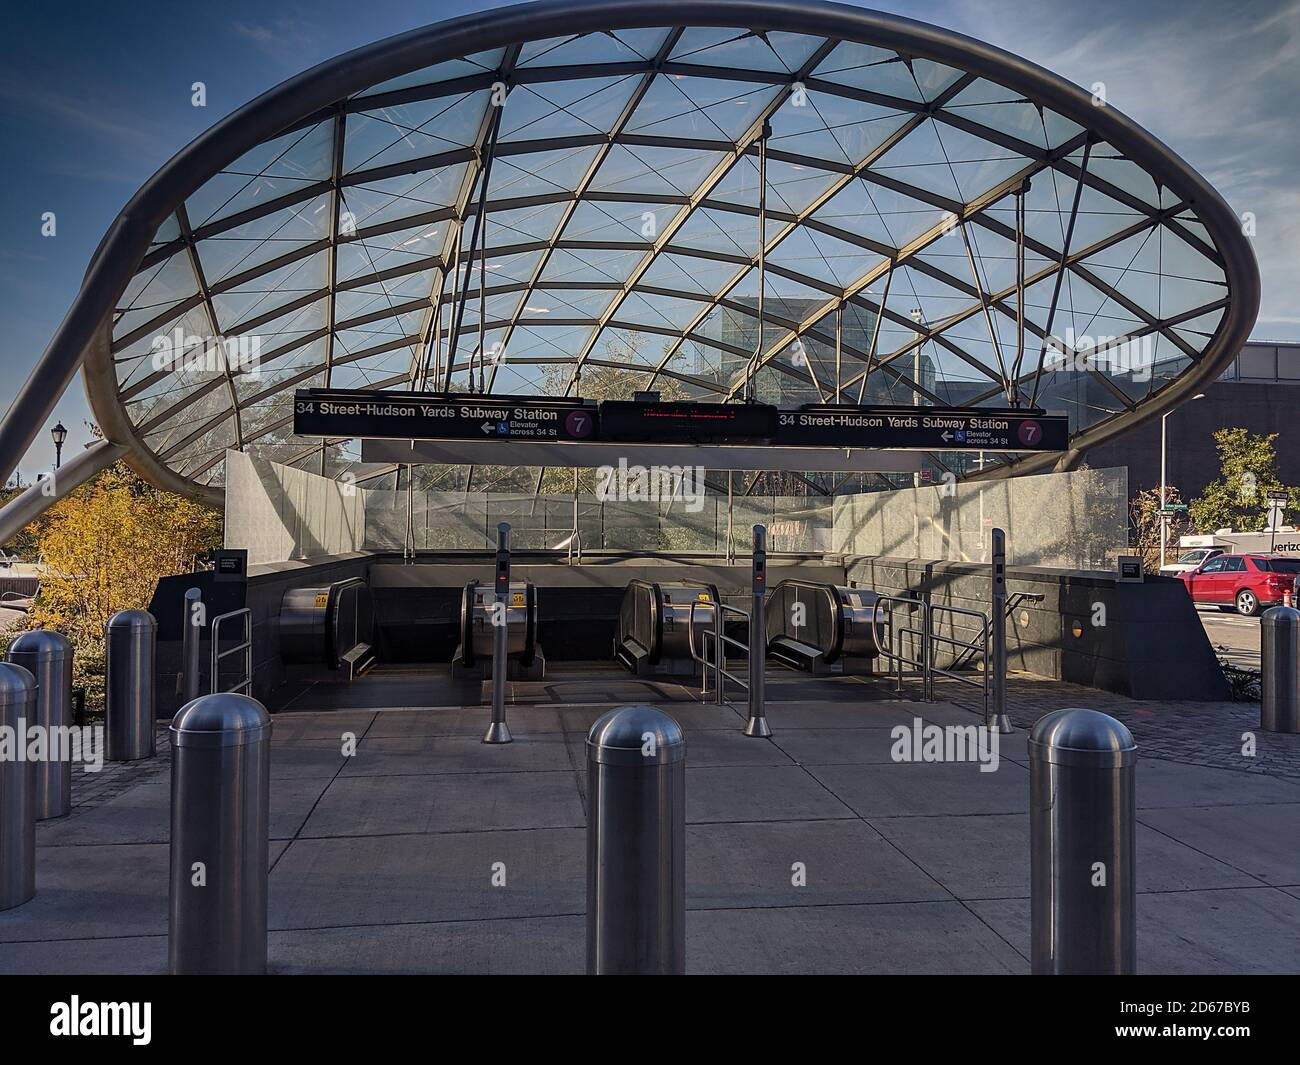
1164,501
60,434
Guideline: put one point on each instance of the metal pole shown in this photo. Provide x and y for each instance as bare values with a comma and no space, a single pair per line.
998,718
731,544
47,655
17,791
757,724
1279,647
498,731
636,844
1164,501
1083,893
720,653
192,643
220,821
130,638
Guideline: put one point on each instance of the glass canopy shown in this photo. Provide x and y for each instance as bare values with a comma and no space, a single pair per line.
581,215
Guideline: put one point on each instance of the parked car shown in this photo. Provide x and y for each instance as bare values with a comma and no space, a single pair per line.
1244,583
1190,560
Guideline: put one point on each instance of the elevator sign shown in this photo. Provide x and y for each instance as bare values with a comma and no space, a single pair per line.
434,416
924,428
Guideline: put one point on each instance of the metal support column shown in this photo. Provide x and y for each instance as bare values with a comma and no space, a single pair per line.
636,844
1279,646
220,824
130,639
499,731
1083,886
17,791
996,717
47,655
757,724
192,643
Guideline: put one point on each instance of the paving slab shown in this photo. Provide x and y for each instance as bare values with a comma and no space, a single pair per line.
471,721
705,748
383,880
1162,783
698,716
1259,840
920,937
120,956
878,713
361,806
836,746
306,760
927,789
1239,931
93,892
536,946
747,865
758,793
428,755
295,727
142,814
988,857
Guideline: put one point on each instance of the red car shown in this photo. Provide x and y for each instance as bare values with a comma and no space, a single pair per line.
1245,583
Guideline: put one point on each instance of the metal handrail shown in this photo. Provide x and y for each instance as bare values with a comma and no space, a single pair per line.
247,647
720,639
892,651
972,646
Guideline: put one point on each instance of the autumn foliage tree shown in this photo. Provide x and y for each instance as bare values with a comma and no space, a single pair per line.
104,548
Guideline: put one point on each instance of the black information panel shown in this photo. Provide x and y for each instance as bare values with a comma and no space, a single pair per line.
693,423
434,416
924,428
438,416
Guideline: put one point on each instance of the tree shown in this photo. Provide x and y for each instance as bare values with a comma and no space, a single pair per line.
1144,516
105,546
1238,500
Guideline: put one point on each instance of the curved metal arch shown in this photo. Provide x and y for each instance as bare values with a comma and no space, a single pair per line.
312,93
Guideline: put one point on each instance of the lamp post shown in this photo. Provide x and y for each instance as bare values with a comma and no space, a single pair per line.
59,434
1164,501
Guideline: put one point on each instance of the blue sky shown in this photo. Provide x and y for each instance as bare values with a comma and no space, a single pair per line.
94,97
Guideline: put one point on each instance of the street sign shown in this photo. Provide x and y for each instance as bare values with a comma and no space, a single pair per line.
342,414
924,428
1173,508
439,416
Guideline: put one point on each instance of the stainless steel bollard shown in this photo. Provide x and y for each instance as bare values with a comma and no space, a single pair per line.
17,790
757,725
47,655
192,643
1083,888
996,716
1279,649
498,731
130,639
636,844
220,822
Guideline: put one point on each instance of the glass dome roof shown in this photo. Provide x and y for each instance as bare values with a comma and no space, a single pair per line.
943,224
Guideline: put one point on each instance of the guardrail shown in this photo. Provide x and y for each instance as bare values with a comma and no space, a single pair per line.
718,666
246,685
963,651
892,651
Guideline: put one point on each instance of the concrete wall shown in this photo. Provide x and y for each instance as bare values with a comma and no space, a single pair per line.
1151,645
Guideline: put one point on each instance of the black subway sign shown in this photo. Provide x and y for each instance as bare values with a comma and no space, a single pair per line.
923,428
438,416
416,416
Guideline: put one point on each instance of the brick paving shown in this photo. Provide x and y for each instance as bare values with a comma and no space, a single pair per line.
1213,734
